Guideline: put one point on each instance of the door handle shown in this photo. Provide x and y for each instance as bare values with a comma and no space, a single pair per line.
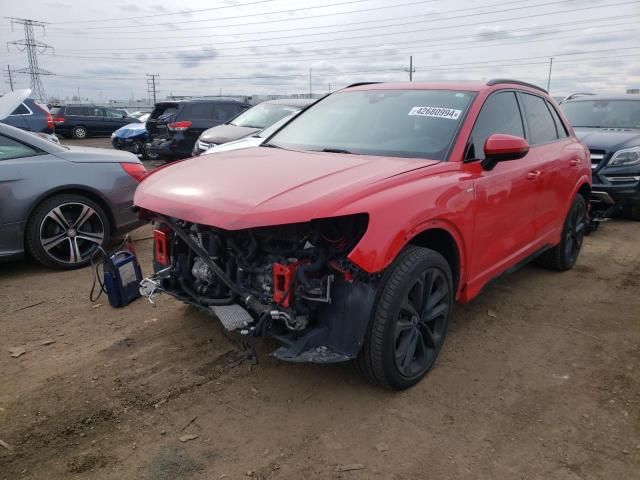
533,174
574,162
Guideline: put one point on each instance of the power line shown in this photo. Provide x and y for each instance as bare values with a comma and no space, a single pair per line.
186,12
431,28
450,66
439,20
261,14
362,49
32,47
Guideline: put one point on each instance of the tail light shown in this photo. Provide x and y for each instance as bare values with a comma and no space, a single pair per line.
58,119
136,170
50,121
179,126
161,245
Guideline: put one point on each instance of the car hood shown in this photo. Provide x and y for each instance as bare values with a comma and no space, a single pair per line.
97,155
226,133
608,139
246,142
10,101
264,186
130,130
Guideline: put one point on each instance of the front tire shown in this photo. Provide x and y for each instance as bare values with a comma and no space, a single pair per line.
80,132
66,230
409,324
564,255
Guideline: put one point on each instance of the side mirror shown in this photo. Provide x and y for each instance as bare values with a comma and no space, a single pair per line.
501,147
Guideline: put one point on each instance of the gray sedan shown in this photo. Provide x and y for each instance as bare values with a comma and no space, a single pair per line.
59,204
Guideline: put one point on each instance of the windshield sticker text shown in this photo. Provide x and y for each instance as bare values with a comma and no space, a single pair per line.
437,112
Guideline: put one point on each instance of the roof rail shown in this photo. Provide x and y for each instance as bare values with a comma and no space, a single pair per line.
576,95
495,81
359,84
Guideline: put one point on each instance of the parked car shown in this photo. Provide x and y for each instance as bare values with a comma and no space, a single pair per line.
254,140
59,204
174,127
610,127
31,116
134,138
350,232
82,121
248,122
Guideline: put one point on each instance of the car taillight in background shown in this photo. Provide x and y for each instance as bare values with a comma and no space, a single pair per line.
58,119
179,126
50,122
136,170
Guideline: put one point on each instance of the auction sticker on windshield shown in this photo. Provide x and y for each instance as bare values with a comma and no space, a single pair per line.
437,112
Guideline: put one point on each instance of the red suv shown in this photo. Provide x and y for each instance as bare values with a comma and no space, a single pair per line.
351,231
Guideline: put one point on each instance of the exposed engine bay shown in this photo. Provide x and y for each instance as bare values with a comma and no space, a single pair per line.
293,282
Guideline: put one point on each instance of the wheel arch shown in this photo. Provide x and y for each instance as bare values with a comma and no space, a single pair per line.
83,190
444,242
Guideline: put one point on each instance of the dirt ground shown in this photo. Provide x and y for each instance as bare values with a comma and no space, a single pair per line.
539,379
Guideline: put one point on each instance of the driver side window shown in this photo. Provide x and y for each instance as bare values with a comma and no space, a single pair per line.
500,114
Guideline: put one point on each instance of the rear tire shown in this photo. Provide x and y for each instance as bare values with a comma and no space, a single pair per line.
80,132
410,320
564,255
65,231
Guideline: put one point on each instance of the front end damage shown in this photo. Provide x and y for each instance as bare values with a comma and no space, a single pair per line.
291,282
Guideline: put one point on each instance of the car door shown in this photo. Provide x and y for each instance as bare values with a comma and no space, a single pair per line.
21,180
505,197
558,158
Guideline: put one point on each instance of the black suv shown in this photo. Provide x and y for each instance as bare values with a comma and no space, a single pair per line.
81,121
610,127
174,127
31,116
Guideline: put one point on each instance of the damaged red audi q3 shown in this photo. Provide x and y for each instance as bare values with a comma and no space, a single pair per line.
349,234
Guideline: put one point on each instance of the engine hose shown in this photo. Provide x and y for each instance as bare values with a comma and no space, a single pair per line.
311,267
204,300
234,287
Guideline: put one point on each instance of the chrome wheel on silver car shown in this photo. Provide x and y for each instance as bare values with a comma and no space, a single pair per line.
66,231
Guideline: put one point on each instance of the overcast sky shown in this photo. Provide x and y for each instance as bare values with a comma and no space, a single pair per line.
207,47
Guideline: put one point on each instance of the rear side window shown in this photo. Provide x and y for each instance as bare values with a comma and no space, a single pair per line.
56,111
198,110
542,128
21,110
76,111
499,114
562,130
10,149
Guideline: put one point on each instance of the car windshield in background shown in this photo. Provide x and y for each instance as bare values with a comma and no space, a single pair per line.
395,123
271,129
603,113
262,115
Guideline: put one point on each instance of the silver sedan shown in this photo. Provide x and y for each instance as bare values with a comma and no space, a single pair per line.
59,204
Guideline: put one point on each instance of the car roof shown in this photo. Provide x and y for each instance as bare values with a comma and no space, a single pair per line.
624,96
292,102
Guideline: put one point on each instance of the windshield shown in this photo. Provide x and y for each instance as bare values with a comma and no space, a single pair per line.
144,117
395,123
262,115
603,113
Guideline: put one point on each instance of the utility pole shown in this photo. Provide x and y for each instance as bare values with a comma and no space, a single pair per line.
411,70
151,86
309,83
32,47
329,87
549,77
10,77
